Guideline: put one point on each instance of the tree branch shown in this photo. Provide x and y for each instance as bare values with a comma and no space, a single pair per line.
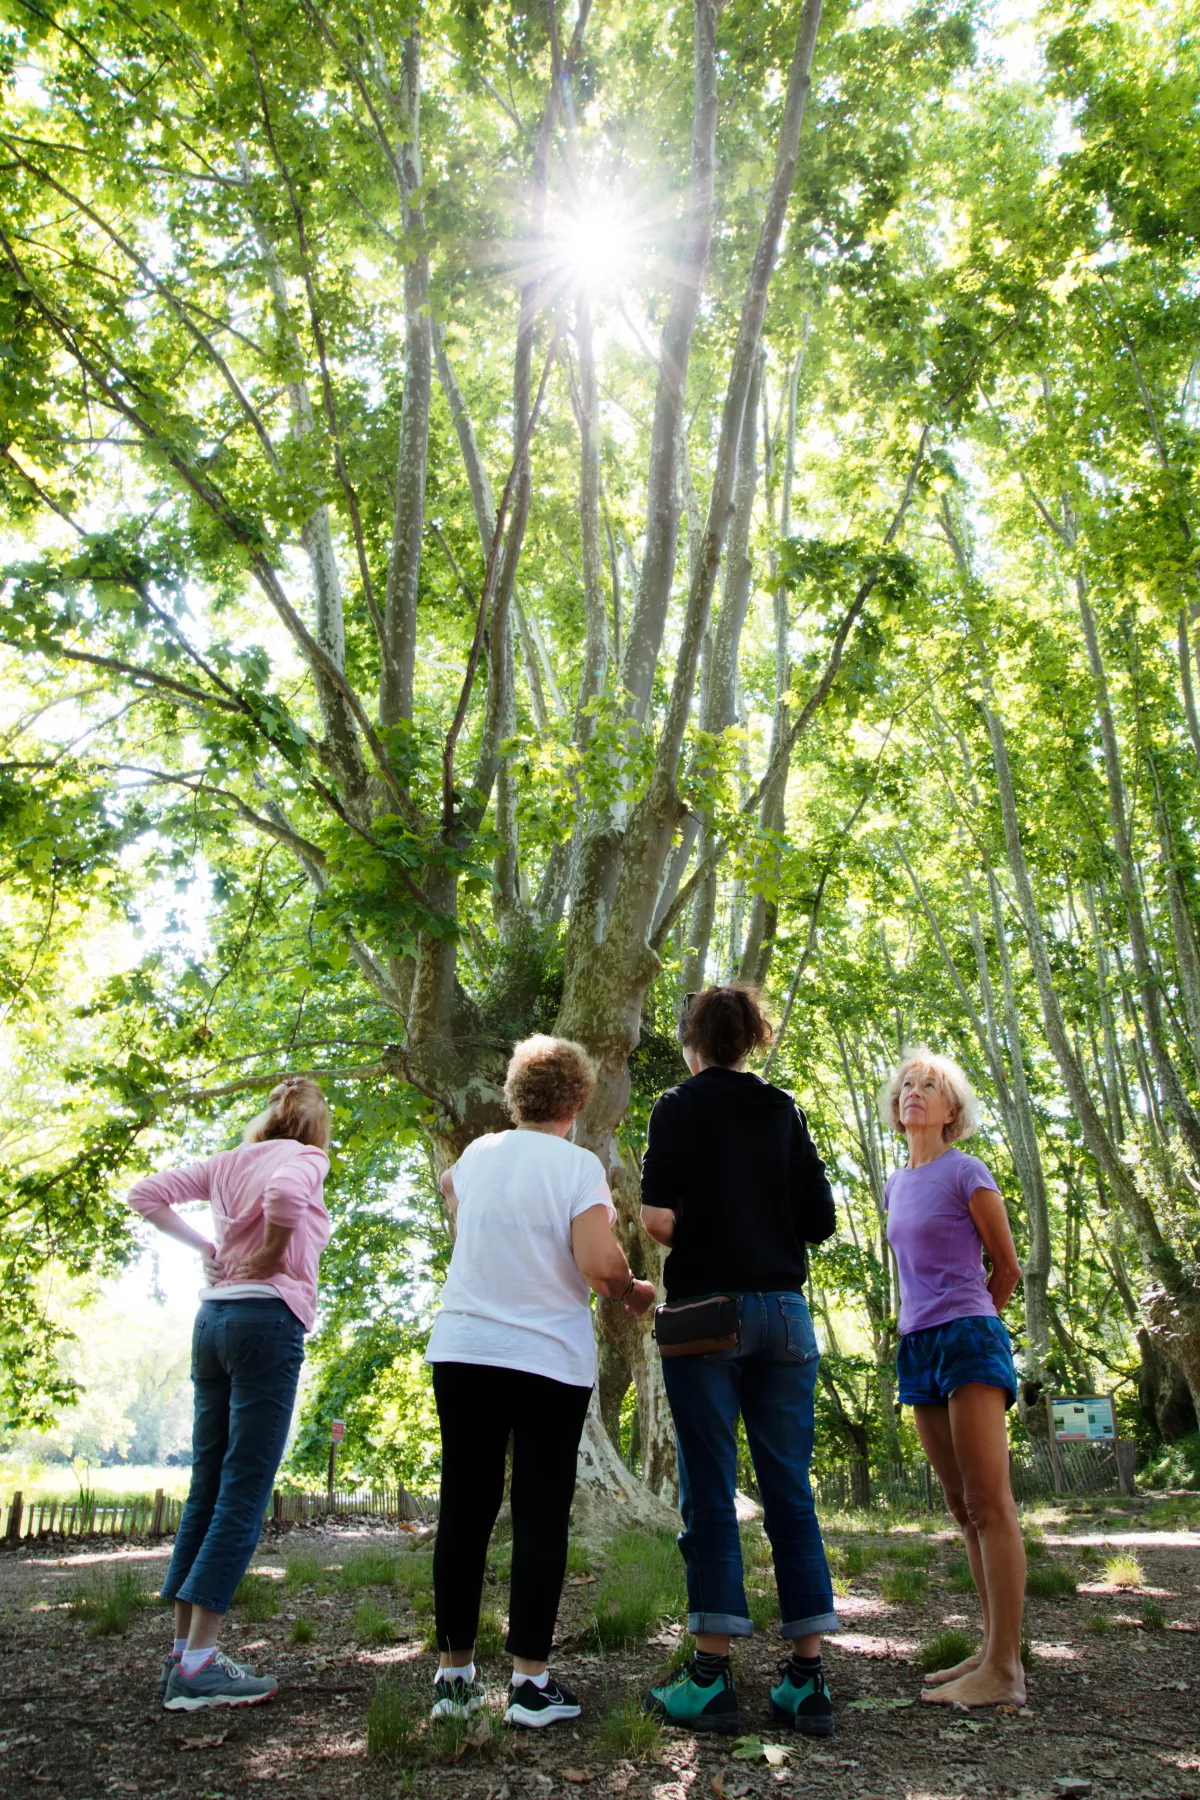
489,582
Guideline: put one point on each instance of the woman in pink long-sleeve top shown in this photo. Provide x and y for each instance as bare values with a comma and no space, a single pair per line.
271,1226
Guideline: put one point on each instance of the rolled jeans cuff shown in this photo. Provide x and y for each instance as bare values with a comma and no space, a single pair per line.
209,1604
819,1622
721,1624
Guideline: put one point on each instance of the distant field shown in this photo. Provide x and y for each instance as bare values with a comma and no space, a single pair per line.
132,1481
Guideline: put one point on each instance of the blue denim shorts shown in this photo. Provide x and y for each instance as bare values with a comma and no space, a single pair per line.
931,1364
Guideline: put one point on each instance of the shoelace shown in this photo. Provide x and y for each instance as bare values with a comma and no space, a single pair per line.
227,1664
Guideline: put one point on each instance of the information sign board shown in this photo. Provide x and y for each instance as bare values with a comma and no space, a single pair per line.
337,1431
1083,1418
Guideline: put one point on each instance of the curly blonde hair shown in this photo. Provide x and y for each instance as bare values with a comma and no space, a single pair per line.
295,1109
548,1079
952,1082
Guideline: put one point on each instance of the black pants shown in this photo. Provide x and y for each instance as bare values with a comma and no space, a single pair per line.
478,1407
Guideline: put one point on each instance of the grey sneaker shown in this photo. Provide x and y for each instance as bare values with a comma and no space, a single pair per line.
454,1698
171,1661
221,1682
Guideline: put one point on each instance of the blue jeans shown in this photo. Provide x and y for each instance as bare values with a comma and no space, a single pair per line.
769,1377
246,1359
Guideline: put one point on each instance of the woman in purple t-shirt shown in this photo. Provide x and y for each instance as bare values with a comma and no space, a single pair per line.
955,1362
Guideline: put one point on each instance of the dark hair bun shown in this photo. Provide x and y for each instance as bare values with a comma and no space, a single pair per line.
724,1024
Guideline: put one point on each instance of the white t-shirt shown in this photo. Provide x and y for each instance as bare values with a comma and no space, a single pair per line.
514,1298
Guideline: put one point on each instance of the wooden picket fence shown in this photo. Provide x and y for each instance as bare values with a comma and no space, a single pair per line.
377,1503
159,1517
87,1518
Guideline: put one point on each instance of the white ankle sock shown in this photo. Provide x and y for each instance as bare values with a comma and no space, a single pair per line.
196,1659
463,1672
178,1646
539,1681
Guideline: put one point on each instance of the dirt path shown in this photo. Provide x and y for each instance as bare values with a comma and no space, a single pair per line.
1119,1708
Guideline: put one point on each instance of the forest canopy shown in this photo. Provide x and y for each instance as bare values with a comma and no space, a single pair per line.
511,513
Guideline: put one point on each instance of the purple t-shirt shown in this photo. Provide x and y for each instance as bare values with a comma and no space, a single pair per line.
938,1251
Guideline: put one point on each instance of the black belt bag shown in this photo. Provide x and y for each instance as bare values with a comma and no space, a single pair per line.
696,1327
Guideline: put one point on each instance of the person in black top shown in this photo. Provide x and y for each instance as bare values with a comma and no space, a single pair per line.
733,1184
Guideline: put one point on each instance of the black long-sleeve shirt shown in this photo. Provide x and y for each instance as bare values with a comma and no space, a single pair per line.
732,1158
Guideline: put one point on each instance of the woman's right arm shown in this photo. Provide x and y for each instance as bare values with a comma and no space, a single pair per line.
157,1196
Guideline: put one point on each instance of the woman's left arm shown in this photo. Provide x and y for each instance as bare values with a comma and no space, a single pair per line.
991,1222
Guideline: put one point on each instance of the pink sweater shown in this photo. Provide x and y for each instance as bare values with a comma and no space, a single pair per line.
276,1183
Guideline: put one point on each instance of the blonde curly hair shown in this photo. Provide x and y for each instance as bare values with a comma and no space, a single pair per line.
548,1079
952,1082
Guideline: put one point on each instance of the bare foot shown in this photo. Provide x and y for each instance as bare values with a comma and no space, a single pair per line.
939,1677
981,1687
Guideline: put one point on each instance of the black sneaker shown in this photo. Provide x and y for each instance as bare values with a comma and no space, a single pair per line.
534,1706
454,1697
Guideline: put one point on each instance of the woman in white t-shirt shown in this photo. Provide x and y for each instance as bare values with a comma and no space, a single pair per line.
513,1353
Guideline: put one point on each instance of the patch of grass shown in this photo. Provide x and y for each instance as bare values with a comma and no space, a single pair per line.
763,1607
756,1548
372,1624
905,1586
1153,1616
489,1639
959,1577
259,1595
628,1731
1050,1581
1089,1554
1123,1571
682,1654
303,1630
1098,1622
449,1738
1028,1653
109,1601
369,1568
858,1558
642,1583
945,1648
414,1575
1035,1548
579,1559
302,1570
394,1716
909,1555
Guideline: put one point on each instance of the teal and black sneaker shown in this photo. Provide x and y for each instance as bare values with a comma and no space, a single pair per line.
696,1705
803,1706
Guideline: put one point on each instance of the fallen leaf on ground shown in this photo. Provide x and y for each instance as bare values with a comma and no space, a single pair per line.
581,1580
727,1786
1072,1788
752,1749
203,1743
576,1775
